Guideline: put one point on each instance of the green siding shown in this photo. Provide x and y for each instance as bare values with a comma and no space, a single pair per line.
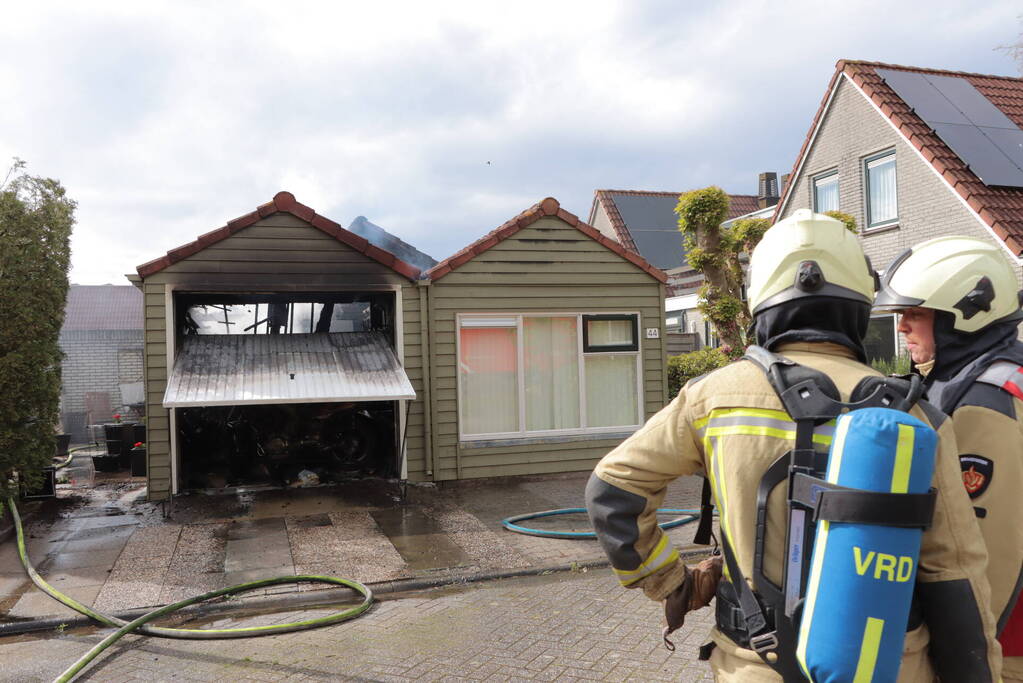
154,373
547,267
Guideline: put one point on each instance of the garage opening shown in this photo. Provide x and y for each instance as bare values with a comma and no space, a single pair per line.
286,389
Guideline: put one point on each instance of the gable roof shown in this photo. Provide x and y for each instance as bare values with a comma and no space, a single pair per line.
283,202
548,207
999,208
645,222
102,307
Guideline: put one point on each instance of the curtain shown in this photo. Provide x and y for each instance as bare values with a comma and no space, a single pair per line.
826,194
551,359
611,399
881,180
609,332
488,373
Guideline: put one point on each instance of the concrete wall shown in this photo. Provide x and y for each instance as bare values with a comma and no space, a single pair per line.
548,266
96,362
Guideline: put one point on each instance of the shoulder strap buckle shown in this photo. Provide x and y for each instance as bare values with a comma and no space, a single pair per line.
765,642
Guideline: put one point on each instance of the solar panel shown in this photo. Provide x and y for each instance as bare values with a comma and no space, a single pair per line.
920,94
982,155
970,124
978,109
662,248
1009,141
647,212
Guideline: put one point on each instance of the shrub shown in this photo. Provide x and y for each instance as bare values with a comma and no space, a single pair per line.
683,368
891,366
35,230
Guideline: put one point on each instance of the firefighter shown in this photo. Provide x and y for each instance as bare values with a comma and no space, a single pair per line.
810,292
959,311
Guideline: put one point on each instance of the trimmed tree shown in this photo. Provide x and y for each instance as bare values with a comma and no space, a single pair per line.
714,251
36,217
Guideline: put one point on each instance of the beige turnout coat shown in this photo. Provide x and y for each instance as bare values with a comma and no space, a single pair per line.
730,425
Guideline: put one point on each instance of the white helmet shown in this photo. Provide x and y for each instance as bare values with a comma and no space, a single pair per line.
808,254
963,276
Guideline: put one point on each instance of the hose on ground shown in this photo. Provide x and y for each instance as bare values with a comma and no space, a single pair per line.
510,523
70,456
141,625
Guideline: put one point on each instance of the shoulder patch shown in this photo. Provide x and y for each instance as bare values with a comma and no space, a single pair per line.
933,414
977,473
991,397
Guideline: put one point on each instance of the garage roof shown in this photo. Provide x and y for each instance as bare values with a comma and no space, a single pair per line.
218,370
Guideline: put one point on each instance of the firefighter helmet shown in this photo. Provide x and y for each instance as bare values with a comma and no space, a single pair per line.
964,276
808,254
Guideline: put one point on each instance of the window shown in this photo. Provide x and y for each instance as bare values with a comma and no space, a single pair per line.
825,192
882,200
525,375
879,341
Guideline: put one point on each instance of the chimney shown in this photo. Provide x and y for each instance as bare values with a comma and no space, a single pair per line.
767,190
784,182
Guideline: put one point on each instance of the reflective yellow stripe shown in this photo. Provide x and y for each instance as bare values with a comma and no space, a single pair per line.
903,459
661,556
835,463
811,593
868,650
720,492
819,548
755,430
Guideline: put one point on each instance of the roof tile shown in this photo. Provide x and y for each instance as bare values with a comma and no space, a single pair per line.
286,202
550,207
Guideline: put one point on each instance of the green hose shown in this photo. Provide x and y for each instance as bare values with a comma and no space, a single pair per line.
140,624
70,456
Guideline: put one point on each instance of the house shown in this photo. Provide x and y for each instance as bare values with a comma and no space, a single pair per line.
646,223
283,346
914,153
101,339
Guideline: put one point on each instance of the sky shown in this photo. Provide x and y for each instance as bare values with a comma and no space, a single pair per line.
437,121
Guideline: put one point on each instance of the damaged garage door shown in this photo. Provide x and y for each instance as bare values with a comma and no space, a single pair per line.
224,370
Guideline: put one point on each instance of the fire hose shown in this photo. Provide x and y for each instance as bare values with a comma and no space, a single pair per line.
141,624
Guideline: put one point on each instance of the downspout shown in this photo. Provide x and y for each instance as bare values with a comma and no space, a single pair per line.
424,353
665,398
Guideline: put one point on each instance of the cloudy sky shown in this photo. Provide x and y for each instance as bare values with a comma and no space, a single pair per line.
436,120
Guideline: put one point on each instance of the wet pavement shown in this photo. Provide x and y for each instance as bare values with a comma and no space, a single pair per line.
576,626
363,530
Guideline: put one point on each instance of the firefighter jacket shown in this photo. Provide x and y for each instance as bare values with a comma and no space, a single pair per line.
985,400
730,426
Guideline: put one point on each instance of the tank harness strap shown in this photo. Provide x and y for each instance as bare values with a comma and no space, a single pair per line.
704,532
840,504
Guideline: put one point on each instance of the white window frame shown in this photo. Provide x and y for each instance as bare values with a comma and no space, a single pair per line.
817,180
479,320
868,162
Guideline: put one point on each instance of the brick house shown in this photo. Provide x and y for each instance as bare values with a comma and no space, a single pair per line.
870,154
102,343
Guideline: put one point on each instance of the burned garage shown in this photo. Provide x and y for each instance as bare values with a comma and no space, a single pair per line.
286,389
283,349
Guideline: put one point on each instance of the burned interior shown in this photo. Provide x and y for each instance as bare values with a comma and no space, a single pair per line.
285,388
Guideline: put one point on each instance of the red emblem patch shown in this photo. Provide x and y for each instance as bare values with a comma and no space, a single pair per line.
974,480
977,473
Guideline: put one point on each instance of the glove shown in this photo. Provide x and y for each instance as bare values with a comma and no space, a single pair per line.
695,592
